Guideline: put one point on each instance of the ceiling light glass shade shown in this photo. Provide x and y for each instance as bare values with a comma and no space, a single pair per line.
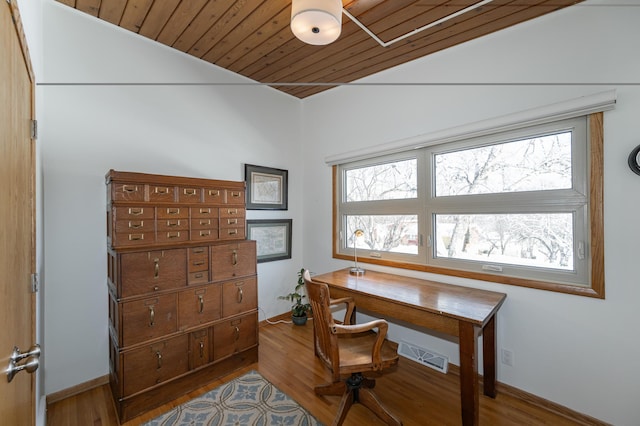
316,22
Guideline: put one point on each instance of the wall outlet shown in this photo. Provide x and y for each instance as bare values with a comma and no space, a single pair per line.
507,357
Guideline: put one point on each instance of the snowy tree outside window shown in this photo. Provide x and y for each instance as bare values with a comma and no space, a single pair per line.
512,204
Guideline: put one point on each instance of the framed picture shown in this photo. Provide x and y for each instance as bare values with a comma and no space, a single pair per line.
273,238
267,188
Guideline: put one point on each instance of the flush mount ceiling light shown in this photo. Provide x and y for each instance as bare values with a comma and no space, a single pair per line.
316,22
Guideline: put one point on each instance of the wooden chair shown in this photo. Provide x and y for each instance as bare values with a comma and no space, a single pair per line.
349,350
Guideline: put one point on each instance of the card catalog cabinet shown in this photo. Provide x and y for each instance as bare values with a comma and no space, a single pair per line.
183,297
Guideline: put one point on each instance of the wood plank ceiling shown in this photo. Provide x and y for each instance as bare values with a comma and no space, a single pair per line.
253,38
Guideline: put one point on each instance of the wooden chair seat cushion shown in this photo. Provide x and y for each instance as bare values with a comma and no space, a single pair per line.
355,353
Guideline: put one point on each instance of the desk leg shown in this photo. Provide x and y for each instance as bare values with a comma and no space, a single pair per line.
489,357
469,387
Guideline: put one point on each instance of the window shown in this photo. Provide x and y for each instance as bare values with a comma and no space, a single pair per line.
519,207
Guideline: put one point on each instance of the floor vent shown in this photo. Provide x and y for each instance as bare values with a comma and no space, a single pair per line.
424,356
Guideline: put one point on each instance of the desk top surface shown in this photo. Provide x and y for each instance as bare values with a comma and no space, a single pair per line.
463,303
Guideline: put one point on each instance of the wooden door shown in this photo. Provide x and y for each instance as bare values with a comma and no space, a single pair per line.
17,226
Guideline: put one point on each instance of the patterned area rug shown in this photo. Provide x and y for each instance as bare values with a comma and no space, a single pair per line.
247,400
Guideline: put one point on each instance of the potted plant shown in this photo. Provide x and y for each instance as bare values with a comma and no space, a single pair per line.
299,309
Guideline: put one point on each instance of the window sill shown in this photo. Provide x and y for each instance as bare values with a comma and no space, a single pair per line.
499,279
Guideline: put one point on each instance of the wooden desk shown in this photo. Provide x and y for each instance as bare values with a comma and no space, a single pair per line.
455,310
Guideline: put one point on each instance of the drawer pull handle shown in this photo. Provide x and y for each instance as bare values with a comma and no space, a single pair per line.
198,263
152,316
160,190
201,304
214,193
171,235
156,288
233,231
189,191
173,211
201,349
237,333
235,194
136,211
136,225
199,275
159,358
205,211
240,295
205,233
129,189
136,237
234,258
156,268
198,250
205,222
232,211
232,221
173,224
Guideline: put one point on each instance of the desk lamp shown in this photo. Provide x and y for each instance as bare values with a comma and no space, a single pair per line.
355,270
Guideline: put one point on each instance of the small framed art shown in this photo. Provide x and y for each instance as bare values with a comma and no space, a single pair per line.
267,188
273,238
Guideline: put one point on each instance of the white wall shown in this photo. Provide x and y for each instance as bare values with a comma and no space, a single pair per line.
577,351
188,130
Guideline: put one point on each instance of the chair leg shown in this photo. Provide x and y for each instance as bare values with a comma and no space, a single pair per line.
345,404
367,398
335,388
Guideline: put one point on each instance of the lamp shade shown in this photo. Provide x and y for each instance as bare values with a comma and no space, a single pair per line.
316,22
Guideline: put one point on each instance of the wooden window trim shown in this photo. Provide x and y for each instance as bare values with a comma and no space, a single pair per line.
596,214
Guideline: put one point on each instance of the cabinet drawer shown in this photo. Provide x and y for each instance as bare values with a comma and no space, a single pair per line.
233,260
134,226
198,278
200,348
133,213
204,223
204,212
125,239
239,296
232,222
171,237
234,336
148,318
232,234
232,212
198,259
153,364
127,192
173,212
204,235
151,271
214,196
172,225
199,306
235,197
162,193
189,195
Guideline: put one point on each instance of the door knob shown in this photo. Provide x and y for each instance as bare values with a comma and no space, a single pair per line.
32,363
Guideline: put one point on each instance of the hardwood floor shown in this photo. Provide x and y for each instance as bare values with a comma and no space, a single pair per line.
418,395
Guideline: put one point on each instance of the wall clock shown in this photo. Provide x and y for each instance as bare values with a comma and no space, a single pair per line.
634,160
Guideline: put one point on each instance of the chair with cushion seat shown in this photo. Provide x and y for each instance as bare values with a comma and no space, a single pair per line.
349,350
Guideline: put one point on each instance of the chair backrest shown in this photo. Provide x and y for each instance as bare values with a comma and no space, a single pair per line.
326,342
